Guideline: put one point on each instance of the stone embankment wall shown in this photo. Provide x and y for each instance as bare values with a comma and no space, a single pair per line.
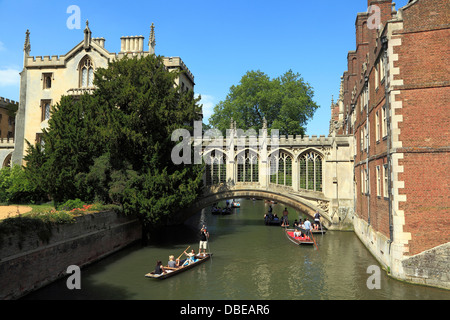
27,263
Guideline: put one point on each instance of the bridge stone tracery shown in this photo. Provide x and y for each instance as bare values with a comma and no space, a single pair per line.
310,173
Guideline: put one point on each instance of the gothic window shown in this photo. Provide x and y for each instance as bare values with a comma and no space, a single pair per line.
216,169
310,171
86,72
247,167
47,79
281,169
45,109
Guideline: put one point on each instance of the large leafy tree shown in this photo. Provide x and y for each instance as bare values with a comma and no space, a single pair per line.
115,145
285,102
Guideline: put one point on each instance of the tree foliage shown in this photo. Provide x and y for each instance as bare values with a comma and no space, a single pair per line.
115,146
15,187
285,102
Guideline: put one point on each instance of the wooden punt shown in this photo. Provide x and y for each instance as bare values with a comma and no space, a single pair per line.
313,231
276,222
173,271
298,240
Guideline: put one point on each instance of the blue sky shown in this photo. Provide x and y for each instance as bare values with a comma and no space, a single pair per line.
219,41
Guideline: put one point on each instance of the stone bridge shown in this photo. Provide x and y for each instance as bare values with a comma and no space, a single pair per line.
309,174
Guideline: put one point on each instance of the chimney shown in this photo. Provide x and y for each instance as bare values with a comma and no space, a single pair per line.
134,44
99,41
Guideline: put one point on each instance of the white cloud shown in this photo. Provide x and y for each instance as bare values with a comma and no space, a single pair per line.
2,46
9,77
208,103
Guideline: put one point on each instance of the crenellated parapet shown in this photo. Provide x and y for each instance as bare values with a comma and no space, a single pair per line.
6,143
289,141
176,62
45,61
5,101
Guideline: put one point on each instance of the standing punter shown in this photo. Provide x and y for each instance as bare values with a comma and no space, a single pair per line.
204,236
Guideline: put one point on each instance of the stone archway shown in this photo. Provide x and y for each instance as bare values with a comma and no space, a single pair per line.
219,193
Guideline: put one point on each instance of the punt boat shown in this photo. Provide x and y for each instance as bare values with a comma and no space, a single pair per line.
298,240
173,271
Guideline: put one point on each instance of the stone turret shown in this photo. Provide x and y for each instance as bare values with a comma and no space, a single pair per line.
87,36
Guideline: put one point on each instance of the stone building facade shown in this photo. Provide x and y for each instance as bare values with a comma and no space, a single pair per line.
394,102
7,128
45,79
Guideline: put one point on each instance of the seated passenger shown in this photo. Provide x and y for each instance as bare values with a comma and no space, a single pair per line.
172,263
159,269
191,258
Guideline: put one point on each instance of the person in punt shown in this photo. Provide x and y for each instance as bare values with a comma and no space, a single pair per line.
159,269
297,233
172,263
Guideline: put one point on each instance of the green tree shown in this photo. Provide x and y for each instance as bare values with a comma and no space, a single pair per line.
285,102
15,187
115,145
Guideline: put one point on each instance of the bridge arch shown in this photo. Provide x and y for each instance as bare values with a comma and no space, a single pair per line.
252,150
216,194
281,149
311,149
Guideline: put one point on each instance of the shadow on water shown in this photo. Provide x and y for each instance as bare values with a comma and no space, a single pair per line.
172,236
90,287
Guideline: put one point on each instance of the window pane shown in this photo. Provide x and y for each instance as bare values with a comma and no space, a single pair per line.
289,171
47,111
281,171
84,77
310,173
91,77
223,171
255,173
302,173
248,171
208,173
318,174
240,173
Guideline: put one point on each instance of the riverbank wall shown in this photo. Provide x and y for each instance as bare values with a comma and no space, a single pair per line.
28,263
430,267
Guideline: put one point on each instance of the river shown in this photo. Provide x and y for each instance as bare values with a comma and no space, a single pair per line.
250,261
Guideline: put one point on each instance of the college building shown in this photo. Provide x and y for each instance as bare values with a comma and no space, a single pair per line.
44,80
394,101
7,128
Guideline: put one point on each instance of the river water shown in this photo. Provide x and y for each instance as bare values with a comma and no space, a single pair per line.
250,261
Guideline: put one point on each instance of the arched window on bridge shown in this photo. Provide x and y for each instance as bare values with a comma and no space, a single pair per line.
311,171
247,167
216,168
281,169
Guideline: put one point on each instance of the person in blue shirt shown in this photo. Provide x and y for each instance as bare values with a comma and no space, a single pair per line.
307,227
